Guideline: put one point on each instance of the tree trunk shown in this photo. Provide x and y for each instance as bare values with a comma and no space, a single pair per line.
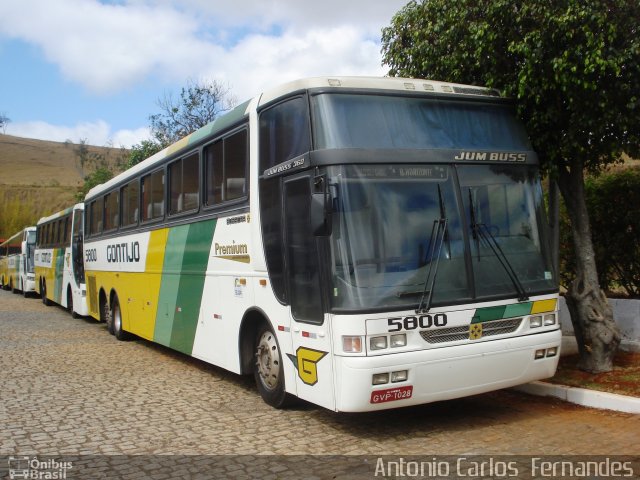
596,332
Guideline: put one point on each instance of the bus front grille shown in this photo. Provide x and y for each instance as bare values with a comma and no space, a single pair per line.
456,334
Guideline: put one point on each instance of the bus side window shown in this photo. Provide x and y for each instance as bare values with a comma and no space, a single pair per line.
130,203
153,196
284,132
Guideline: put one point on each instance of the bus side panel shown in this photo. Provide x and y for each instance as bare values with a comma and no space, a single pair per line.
58,275
142,318
186,259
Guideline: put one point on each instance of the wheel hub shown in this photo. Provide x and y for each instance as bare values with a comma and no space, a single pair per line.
268,360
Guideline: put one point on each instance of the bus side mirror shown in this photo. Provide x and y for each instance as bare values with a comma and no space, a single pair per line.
321,207
24,248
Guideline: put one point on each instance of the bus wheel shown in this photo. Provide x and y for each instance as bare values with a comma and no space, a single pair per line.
106,316
268,370
12,287
116,321
43,290
70,304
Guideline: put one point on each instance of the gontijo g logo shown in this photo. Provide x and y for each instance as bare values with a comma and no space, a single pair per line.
305,361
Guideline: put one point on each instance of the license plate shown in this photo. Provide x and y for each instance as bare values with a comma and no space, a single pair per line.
391,394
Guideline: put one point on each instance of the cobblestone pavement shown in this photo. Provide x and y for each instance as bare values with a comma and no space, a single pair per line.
70,388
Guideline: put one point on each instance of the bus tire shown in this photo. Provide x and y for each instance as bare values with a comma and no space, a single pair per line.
12,287
106,316
116,321
72,312
43,290
268,370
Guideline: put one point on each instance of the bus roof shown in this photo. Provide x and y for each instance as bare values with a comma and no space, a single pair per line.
15,236
61,213
406,85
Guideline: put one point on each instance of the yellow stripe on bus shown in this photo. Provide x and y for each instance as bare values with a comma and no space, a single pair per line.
542,306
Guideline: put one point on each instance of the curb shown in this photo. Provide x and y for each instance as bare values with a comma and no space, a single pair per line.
583,396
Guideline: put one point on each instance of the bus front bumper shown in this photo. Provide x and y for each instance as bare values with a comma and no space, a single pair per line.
445,373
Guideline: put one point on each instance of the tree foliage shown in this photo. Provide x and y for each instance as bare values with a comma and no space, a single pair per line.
573,67
613,200
200,103
142,151
4,121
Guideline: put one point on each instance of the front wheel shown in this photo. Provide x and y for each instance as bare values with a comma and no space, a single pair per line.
268,370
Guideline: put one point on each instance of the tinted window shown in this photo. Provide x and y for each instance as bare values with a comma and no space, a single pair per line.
284,132
226,167
111,211
153,196
184,181
130,203
95,217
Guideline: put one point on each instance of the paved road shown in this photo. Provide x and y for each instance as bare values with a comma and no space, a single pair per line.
69,388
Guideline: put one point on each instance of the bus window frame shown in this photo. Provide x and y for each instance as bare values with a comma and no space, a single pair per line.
161,218
234,203
121,190
192,211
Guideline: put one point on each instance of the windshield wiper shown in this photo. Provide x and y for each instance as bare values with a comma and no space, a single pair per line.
437,239
481,231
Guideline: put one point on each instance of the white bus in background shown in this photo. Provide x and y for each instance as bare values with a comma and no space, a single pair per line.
59,260
17,262
360,243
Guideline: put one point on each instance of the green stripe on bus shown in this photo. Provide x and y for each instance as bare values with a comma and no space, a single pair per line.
58,273
194,267
504,311
171,270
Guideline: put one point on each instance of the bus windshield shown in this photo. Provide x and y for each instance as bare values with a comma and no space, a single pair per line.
404,122
383,225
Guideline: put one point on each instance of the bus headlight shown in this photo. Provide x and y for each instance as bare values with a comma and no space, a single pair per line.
352,344
380,378
550,319
378,343
399,340
399,376
535,322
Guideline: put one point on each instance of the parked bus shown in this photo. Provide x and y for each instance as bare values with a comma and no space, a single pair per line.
59,260
359,243
16,262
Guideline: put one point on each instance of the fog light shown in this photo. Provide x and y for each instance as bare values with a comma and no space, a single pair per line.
399,376
352,344
539,354
550,319
535,322
378,343
380,379
552,352
399,340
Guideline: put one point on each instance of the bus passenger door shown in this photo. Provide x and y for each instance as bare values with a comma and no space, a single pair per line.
309,329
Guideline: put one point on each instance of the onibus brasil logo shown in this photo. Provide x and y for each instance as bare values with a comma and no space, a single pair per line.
35,468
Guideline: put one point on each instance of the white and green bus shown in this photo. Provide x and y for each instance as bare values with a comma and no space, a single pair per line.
17,262
59,260
360,243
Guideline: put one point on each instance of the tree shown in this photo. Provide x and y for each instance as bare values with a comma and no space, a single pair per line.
200,103
142,151
573,67
4,121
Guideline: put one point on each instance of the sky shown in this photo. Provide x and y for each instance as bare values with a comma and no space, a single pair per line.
94,69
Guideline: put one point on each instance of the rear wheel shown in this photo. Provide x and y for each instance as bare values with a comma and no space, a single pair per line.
268,370
70,304
43,290
106,316
116,320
